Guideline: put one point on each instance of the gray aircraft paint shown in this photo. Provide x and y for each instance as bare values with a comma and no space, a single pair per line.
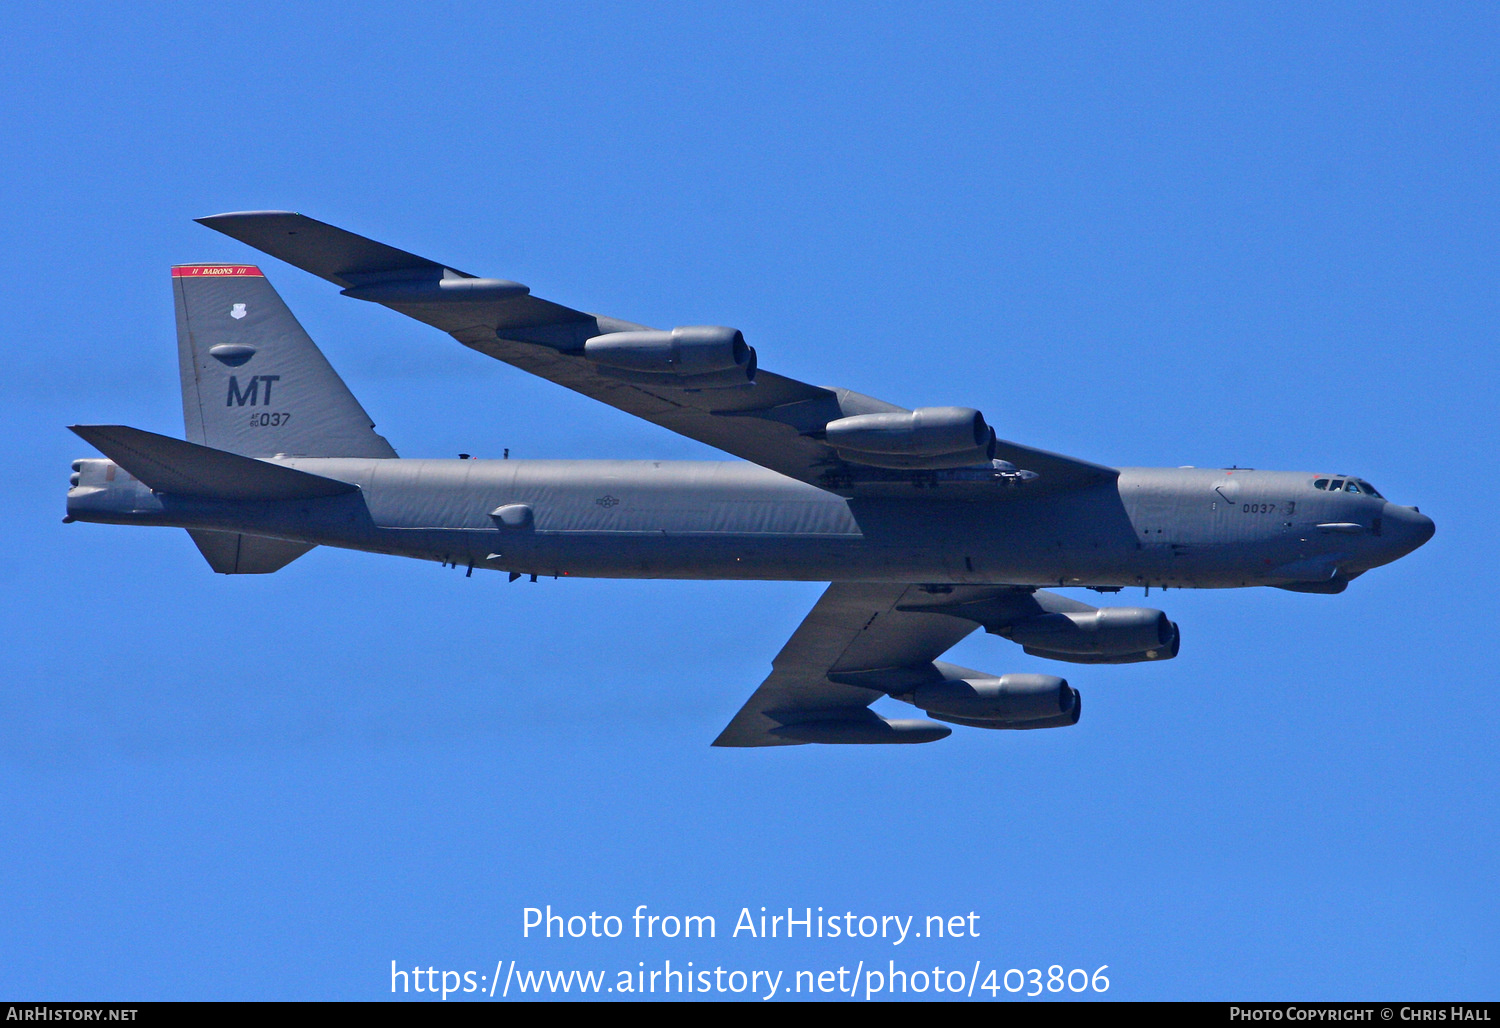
721,520
281,458
244,359
245,362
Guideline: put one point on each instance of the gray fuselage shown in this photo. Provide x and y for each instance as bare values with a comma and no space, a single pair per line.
1178,527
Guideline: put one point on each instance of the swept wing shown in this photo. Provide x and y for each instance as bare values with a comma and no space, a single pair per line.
776,422
865,640
854,628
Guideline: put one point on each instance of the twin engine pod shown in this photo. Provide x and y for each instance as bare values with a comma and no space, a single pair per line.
1109,635
926,438
1010,701
697,357
715,357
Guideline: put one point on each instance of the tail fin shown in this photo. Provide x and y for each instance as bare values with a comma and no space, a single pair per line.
253,382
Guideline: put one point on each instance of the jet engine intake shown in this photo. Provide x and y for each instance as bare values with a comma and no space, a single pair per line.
1109,635
928,437
703,356
1007,698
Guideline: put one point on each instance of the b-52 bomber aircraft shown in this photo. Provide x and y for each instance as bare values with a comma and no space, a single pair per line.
927,525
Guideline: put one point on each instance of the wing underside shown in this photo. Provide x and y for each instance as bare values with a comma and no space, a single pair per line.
854,627
866,640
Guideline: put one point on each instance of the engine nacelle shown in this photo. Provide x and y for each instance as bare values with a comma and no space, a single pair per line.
1110,635
1007,698
701,357
928,437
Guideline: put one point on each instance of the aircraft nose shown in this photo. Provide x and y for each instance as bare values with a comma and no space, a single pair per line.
1409,526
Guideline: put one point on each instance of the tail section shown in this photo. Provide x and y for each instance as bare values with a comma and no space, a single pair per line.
177,468
172,466
253,382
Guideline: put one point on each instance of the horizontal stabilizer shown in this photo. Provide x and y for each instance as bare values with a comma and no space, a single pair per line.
233,553
170,465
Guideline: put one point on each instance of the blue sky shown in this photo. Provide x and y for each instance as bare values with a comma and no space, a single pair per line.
1240,234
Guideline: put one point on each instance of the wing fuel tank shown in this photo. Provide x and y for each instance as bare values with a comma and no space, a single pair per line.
863,731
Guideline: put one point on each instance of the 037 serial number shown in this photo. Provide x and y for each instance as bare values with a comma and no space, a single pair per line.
267,419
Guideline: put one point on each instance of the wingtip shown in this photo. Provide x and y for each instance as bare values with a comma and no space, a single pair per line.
209,219
89,433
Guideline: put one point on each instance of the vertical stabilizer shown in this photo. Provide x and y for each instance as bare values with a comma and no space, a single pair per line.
253,382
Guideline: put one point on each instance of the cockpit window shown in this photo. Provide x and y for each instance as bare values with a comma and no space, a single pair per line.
1346,485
